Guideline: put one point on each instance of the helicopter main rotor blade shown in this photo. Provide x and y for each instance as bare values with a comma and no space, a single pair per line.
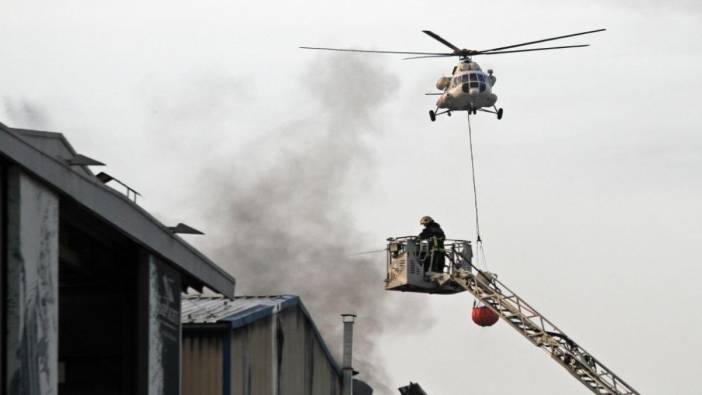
370,51
533,49
441,40
541,41
499,52
432,56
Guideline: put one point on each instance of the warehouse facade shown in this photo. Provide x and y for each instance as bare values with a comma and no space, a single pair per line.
90,282
256,346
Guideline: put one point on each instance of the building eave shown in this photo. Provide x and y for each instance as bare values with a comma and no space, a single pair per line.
116,210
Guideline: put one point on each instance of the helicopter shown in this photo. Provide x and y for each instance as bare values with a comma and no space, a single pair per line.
468,88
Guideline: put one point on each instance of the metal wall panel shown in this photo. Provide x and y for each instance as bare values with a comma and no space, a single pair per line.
325,380
32,287
277,354
203,364
252,359
281,355
293,379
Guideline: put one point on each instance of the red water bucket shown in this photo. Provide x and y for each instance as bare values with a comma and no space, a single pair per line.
484,316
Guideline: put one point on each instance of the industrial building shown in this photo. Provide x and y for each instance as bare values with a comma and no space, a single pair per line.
90,282
259,346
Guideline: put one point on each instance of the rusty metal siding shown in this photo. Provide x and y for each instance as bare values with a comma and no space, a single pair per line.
304,368
293,367
274,348
202,369
325,380
281,355
252,359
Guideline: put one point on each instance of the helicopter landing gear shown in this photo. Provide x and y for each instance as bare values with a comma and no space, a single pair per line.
433,114
498,111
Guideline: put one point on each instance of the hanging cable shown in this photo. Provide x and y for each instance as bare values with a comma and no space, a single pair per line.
480,253
475,189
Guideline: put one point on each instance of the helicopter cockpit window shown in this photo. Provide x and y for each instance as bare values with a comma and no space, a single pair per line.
473,77
457,80
482,87
481,77
464,77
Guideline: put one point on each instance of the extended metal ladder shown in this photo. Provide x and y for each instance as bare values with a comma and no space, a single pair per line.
542,333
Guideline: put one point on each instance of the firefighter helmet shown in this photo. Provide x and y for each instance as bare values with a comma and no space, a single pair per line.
426,220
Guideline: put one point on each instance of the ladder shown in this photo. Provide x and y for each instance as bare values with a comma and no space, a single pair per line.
542,333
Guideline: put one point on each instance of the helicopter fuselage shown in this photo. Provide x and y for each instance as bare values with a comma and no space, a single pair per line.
467,88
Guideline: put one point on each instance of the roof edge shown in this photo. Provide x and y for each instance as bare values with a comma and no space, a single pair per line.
117,210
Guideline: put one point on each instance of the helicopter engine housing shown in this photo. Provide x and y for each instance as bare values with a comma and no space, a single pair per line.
443,101
443,83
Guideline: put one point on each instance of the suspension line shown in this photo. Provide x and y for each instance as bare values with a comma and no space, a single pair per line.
480,252
475,188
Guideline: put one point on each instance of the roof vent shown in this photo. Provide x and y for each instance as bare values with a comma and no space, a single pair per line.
131,193
184,229
82,160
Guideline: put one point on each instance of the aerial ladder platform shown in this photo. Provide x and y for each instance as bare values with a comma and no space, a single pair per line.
409,258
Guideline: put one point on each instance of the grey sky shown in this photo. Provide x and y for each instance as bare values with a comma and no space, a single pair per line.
589,187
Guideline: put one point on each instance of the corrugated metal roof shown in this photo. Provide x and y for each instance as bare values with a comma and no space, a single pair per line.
243,310
198,309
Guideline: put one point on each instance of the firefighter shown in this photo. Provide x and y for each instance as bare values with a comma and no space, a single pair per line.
435,259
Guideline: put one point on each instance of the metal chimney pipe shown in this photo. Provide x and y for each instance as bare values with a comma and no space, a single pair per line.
346,367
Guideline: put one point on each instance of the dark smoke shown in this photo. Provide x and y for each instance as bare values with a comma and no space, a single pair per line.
284,203
24,114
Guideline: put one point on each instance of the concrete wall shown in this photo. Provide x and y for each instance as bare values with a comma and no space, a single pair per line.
146,343
32,287
159,332
3,267
31,264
